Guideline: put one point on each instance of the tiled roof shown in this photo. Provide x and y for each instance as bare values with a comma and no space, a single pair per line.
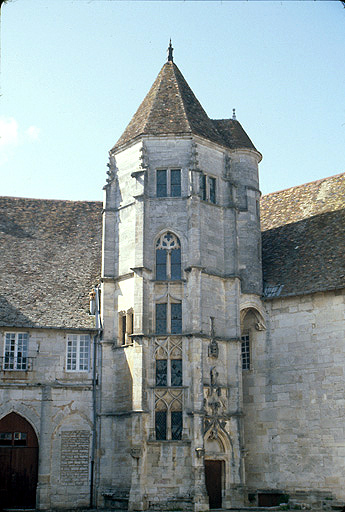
50,258
51,252
303,238
171,108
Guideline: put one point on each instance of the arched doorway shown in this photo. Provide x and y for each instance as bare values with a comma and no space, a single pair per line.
18,462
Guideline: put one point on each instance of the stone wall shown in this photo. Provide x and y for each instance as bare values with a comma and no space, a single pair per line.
294,397
58,404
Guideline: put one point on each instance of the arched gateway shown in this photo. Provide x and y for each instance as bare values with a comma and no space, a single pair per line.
18,462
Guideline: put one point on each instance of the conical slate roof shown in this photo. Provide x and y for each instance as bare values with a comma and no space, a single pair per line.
171,108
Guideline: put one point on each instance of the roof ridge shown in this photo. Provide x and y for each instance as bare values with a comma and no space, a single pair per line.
157,89
303,184
55,200
180,96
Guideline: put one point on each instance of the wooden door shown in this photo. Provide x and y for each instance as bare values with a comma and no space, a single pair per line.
18,463
213,479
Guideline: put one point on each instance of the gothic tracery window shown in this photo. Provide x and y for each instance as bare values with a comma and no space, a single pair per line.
168,257
168,398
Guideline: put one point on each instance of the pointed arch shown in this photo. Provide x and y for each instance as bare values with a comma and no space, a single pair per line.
168,257
19,462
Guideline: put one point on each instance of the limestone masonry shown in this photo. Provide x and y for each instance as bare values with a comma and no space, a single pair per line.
162,351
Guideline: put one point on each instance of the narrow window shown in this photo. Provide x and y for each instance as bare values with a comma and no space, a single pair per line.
212,188
176,318
175,264
161,183
161,425
78,352
176,372
245,352
123,329
203,193
161,264
175,182
130,322
16,351
176,425
161,318
168,257
161,372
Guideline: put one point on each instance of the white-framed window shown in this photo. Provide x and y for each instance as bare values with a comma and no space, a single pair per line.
78,353
208,186
168,182
16,351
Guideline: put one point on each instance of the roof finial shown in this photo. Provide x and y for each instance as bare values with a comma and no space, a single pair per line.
234,114
170,52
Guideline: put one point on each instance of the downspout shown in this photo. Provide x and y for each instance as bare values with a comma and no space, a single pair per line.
94,310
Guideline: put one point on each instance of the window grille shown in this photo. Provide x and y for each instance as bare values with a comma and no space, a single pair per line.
161,425
161,372
176,372
245,352
176,425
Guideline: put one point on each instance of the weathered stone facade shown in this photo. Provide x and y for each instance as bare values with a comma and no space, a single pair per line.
192,383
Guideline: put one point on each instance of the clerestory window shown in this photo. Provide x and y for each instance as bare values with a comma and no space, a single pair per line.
16,351
168,257
168,182
78,352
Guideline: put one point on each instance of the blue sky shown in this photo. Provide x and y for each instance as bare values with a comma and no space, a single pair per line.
73,72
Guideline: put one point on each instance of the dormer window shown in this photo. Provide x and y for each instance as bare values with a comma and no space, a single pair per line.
168,182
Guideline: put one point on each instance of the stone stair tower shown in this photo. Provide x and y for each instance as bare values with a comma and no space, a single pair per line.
181,250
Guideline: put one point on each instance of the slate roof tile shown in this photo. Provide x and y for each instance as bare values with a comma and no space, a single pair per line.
303,237
171,108
50,259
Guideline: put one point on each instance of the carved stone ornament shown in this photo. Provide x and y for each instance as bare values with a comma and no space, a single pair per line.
112,170
136,453
144,162
227,167
200,452
259,326
194,163
213,349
